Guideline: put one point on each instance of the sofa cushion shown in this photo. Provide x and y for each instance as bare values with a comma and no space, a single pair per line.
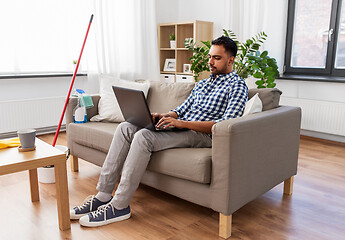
97,135
254,105
163,97
269,97
192,164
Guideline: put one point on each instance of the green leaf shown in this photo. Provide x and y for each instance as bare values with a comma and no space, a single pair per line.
261,86
270,74
270,79
267,70
271,85
255,67
260,82
264,54
251,57
257,75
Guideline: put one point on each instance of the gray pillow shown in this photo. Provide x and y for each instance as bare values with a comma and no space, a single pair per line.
269,96
163,97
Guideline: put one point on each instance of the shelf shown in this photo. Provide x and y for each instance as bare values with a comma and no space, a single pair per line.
182,73
182,58
197,30
164,32
183,31
173,49
164,55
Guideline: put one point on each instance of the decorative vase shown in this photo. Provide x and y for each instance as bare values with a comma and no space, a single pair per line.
172,44
46,174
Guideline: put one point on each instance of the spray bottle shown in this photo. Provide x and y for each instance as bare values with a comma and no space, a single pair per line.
79,112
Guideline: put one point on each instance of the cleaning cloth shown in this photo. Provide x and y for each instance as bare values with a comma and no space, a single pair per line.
12,142
87,100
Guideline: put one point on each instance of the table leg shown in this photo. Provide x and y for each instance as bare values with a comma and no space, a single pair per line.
62,196
35,196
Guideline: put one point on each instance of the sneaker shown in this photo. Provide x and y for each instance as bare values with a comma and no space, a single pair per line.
104,215
90,204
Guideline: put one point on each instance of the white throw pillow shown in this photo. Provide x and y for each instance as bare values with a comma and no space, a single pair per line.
254,105
108,108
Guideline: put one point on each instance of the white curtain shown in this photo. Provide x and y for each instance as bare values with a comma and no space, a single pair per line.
40,36
249,17
125,37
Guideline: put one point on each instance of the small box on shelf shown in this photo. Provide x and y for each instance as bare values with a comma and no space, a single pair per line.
184,78
168,78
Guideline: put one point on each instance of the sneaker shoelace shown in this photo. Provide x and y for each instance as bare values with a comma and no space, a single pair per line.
102,209
87,202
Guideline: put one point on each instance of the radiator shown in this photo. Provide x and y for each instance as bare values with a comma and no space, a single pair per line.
319,116
42,114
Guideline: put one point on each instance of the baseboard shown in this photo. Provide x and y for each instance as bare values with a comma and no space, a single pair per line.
325,137
40,131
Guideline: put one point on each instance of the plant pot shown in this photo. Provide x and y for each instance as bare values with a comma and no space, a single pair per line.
173,44
46,174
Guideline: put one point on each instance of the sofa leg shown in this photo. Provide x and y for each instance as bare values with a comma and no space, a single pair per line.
224,226
74,164
288,186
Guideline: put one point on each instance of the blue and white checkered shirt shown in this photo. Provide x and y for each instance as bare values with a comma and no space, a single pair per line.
215,99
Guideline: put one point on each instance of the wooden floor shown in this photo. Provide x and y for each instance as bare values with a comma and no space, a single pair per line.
316,210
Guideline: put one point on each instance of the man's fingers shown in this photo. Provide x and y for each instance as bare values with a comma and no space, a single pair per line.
163,121
168,125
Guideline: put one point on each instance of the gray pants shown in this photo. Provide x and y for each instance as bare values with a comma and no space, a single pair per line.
130,152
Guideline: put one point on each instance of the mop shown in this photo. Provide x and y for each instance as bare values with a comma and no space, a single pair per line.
71,86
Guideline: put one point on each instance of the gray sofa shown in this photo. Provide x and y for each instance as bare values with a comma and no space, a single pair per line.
249,155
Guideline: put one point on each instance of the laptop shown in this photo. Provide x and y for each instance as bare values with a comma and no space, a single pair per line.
135,110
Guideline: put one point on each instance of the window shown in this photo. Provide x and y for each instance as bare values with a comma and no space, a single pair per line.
40,36
315,43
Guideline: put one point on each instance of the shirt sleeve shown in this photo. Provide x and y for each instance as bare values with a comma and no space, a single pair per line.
238,97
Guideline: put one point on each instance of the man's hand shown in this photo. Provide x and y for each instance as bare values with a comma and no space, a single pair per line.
166,122
161,115
170,120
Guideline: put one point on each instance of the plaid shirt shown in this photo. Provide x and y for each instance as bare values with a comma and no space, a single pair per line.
215,99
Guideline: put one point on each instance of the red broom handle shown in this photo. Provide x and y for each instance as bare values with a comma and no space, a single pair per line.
71,86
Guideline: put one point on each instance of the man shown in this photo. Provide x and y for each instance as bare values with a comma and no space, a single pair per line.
220,97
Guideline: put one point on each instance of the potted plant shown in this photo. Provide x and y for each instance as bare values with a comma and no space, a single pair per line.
172,40
248,62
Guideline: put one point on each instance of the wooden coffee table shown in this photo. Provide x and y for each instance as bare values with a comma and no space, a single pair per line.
11,161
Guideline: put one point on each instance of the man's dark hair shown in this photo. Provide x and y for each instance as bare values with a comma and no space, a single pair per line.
229,44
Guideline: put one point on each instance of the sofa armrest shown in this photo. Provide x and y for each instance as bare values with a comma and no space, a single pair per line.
252,154
72,103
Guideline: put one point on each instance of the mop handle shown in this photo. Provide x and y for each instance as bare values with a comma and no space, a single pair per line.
71,86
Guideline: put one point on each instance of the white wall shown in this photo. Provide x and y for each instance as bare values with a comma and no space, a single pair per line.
181,11
31,88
